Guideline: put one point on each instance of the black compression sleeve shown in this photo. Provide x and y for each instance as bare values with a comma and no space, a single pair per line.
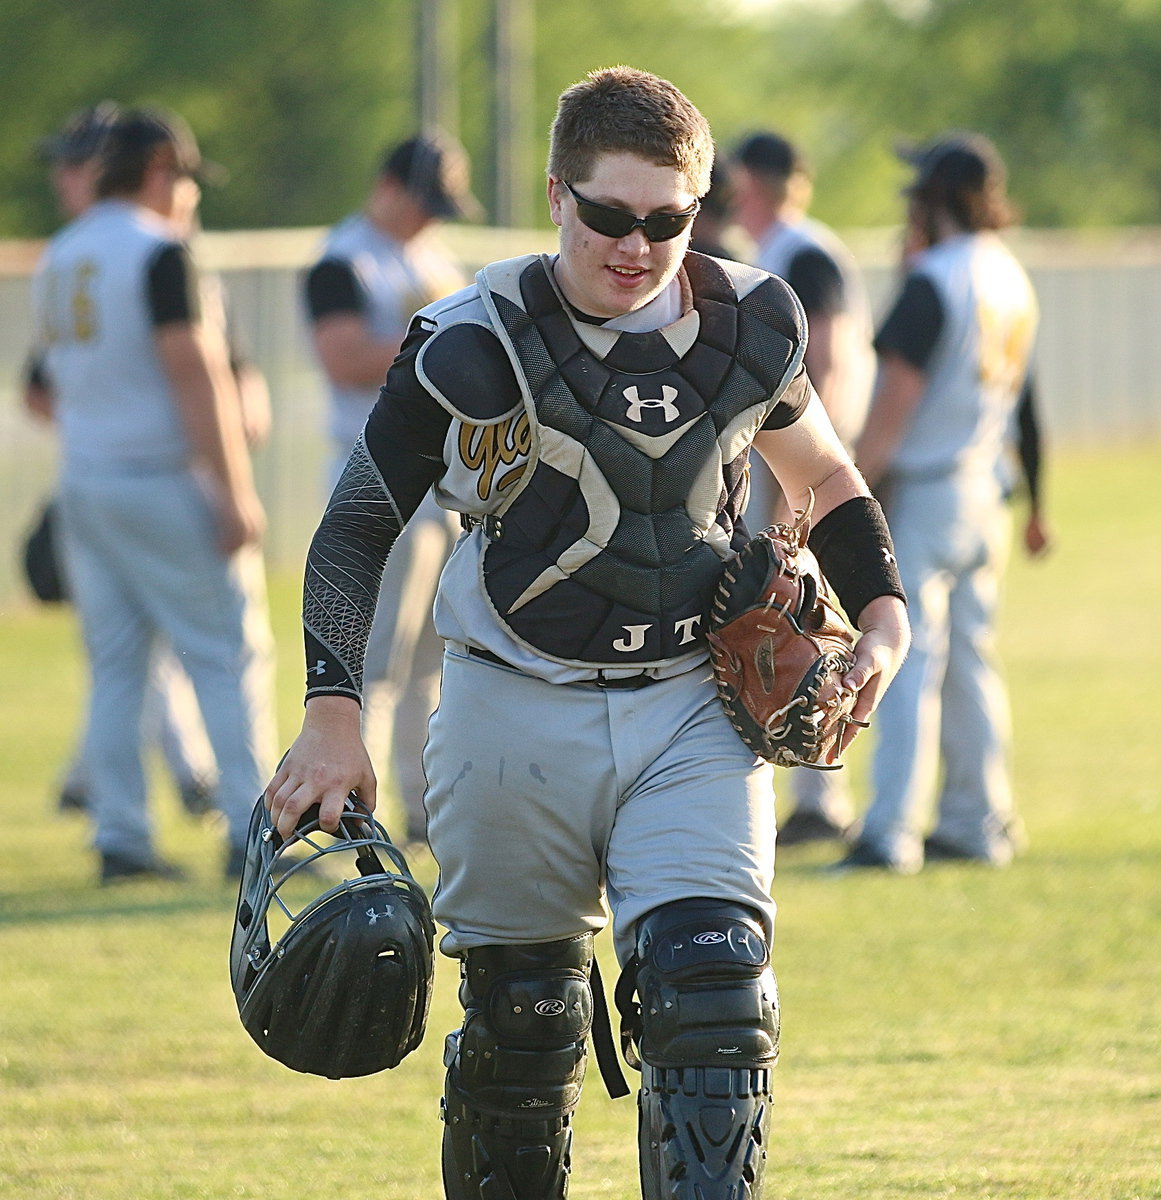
854,548
391,468
333,287
172,286
1029,443
344,570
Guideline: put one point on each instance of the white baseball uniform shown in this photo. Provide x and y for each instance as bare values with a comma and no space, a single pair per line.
138,527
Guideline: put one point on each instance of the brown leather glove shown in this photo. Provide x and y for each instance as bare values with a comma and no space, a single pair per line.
780,646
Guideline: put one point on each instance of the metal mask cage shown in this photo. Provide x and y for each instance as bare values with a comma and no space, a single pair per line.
269,903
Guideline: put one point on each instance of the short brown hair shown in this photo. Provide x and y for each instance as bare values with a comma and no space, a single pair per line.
620,110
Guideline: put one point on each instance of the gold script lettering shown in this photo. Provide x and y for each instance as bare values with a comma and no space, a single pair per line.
485,448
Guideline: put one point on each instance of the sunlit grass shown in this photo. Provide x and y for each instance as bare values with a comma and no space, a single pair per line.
962,1033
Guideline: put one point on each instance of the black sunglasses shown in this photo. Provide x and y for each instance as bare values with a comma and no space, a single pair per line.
619,222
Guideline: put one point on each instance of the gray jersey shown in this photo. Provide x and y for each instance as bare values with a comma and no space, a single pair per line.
849,393
115,406
979,362
395,280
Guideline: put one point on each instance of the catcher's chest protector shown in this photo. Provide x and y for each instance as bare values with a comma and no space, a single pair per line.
607,551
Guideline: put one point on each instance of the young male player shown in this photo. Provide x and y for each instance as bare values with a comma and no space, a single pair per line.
592,413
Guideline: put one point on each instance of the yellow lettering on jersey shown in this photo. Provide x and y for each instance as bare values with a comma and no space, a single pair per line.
49,324
486,448
70,314
84,310
1005,346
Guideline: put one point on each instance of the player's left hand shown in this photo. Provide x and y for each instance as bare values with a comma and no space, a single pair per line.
879,653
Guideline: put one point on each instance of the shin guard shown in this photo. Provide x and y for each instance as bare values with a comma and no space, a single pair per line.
707,1031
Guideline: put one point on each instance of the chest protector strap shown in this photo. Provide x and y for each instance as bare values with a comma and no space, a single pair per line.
607,551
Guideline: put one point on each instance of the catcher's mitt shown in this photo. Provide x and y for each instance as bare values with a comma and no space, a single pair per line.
780,645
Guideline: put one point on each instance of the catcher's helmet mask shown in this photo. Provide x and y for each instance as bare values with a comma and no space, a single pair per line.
344,989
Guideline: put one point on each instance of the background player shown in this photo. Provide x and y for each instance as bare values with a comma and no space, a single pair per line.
159,515
954,354
375,271
771,190
591,413
171,712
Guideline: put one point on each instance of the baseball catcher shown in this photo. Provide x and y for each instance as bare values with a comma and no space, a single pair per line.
592,415
780,646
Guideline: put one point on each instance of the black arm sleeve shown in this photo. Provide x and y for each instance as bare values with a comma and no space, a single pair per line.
914,324
1029,444
854,549
392,466
172,286
333,287
815,276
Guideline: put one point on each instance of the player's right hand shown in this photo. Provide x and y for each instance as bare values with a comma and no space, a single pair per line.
326,762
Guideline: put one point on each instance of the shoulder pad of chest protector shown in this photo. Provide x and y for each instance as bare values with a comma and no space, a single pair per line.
467,370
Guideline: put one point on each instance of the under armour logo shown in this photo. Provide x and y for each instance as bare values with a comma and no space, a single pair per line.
636,404
888,557
373,916
319,668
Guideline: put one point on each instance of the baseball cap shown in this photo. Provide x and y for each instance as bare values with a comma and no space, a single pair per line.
959,161
770,154
435,170
139,130
82,134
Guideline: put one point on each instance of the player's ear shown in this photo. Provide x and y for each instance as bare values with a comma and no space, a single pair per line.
556,189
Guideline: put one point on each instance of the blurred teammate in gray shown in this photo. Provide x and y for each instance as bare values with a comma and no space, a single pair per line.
171,712
592,412
771,190
954,354
159,516
375,271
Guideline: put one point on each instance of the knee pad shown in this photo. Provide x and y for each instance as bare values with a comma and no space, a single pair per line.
527,1015
707,994
515,1069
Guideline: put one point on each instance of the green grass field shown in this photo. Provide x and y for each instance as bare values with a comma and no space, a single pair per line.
961,1033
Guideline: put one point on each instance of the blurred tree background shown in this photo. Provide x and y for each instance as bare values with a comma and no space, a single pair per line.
298,97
